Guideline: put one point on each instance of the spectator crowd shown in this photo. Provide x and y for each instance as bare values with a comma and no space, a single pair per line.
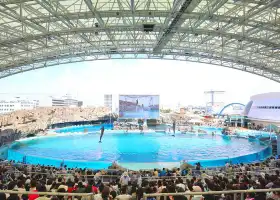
132,185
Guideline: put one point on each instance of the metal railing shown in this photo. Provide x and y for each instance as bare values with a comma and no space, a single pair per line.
65,195
270,171
90,196
233,192
109,178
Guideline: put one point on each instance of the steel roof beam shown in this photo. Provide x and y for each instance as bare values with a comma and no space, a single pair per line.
127,28
126,14
209,11
8,2
25,22
68,54
199,49
44,62
186,6
100,20
11,13
247,16
46,5
249,41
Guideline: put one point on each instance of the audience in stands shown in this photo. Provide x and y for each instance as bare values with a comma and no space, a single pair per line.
132,185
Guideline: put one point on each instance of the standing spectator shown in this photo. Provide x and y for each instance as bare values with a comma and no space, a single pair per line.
124,179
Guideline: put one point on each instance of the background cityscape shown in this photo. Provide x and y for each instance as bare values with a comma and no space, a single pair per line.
214,102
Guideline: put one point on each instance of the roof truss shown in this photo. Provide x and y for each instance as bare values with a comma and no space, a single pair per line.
240,34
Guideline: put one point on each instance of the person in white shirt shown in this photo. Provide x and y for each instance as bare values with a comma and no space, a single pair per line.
124,179
227,165
97,176
242,167
49,185
181,184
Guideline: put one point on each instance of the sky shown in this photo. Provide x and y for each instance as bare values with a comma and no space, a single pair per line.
177,82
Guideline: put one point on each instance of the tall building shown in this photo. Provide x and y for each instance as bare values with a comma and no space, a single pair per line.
80,103
66,101
108,101
7,106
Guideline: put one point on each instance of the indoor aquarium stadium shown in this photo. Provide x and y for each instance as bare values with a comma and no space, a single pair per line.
68,151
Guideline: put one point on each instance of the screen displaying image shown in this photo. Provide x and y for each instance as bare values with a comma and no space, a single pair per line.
139,106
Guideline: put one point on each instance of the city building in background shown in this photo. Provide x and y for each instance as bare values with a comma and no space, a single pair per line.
66,101
264,109
108,101
7,106
80,103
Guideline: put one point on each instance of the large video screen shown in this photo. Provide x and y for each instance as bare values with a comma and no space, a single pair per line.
139,106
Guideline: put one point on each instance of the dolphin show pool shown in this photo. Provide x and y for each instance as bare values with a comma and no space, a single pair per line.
132,150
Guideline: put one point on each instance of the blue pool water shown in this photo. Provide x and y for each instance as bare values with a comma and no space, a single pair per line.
258,134
87,128
136,151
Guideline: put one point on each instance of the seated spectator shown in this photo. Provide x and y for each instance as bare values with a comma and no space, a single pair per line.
80,188
124,195
33,185
197,197
20,187
163,172
42,188
3,196
105,194
155,174
180,197
49,185
88,189
13,197
61,190
181,184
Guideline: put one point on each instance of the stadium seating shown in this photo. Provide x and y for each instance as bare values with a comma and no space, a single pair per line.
148,184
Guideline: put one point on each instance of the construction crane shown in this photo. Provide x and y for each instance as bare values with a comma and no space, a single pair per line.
212,93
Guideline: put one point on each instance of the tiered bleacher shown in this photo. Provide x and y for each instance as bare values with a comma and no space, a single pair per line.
185,183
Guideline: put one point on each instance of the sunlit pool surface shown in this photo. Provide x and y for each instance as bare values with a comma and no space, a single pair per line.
137,151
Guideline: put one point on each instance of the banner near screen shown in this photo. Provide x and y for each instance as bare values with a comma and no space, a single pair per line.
139,106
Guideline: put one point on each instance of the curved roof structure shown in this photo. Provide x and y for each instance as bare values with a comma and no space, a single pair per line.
239,34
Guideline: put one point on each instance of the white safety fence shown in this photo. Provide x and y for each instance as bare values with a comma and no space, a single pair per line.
72,196
111,178
237,194
209,173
